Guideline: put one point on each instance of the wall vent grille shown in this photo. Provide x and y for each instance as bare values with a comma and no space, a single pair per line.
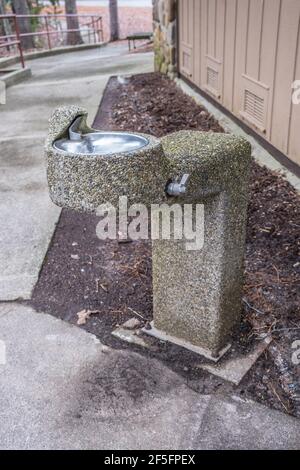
254,106
212,78
186,61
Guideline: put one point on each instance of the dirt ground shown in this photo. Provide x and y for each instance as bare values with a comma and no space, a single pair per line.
114,279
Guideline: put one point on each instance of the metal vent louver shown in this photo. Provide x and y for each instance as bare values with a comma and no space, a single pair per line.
212,78
186,63
254,106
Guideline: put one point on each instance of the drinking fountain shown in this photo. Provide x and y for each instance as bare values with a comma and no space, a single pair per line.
87,167
196,293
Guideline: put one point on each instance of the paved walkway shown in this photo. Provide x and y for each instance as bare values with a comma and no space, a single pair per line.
27,217
60,388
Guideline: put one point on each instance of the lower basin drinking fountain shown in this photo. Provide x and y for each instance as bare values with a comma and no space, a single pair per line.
196,292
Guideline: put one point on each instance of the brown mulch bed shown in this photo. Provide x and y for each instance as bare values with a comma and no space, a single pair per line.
114,278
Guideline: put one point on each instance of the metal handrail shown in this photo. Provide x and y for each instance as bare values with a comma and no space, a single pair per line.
94,27
17,42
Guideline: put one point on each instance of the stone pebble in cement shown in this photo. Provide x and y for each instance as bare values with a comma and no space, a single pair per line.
197,294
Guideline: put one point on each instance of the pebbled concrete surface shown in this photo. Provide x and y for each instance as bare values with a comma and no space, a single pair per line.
27,216
62,389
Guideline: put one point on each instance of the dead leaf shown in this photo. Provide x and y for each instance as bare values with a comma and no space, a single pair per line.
84,315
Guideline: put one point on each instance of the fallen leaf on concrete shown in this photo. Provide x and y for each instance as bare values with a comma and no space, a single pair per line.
84,315
131,324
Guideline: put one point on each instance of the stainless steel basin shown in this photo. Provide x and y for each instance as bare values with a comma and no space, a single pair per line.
102,143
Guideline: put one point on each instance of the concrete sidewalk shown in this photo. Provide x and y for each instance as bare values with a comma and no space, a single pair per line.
27,216
61,389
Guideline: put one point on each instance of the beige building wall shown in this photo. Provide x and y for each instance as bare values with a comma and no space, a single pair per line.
246,55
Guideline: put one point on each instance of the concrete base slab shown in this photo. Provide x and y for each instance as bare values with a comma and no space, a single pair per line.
233,370
129,336
161,335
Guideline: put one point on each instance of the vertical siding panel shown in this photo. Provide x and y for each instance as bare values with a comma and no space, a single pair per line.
294,138
240,52
223,48
211,46
184,25
190,6
180,9
220,24
284,75
220,49
229,54
268,52
254,38
268,41
181,21
186,22
197,42
204,16
179,32
180,29
186,40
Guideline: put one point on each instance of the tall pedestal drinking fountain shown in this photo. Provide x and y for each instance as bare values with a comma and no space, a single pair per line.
196,291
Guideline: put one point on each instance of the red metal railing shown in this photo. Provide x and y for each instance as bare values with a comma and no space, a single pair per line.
52,25
13,40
